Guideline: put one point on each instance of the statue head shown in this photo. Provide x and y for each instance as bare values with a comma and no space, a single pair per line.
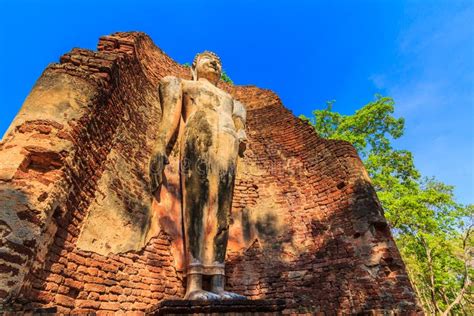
207,65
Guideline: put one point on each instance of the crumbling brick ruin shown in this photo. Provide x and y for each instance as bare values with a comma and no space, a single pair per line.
79,230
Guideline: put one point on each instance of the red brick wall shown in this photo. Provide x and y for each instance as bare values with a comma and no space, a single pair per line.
347,260
325,245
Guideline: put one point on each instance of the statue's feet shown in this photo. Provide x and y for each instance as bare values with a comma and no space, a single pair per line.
224,295
201,295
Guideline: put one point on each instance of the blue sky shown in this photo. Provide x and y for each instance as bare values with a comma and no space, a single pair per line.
419,52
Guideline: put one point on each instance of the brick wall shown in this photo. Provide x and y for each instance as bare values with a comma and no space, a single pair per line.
307,225
335,252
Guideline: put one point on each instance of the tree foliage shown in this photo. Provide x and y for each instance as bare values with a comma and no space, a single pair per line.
432,230
226,78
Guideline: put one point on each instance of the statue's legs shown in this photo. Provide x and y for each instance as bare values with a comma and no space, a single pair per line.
196,144
208,172
223,174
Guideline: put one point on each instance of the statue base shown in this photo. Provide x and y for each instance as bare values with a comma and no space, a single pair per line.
224,307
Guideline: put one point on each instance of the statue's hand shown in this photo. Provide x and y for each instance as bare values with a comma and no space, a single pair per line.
242,137
242,148
157,166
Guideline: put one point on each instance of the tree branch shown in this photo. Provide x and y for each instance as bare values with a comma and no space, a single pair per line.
467,281
431,274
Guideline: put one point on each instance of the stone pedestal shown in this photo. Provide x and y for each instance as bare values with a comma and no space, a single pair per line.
227,307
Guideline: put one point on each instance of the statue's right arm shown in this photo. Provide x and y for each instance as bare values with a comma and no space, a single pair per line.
171,100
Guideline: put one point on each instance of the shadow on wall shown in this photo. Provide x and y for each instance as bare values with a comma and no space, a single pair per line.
20,233
264,227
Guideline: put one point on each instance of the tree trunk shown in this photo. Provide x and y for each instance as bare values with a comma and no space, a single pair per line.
467,281
431,276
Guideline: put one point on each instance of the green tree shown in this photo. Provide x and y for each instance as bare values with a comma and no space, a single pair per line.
226,78
429,226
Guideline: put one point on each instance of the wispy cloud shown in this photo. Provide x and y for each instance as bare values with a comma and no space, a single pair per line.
433,87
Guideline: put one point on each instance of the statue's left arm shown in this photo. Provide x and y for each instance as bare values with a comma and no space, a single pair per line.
239,115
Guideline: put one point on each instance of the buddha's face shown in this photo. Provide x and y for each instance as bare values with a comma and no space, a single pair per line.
208,67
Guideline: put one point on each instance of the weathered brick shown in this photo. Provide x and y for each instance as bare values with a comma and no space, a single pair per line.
77,258
126,305
63,289
92,271
106,313
138,305
94,288
110,305
64,300
42,296
57,268
51,287
115,289
55,278
88,304
73,284
93,279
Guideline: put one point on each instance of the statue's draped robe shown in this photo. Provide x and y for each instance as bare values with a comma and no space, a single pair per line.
198,186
